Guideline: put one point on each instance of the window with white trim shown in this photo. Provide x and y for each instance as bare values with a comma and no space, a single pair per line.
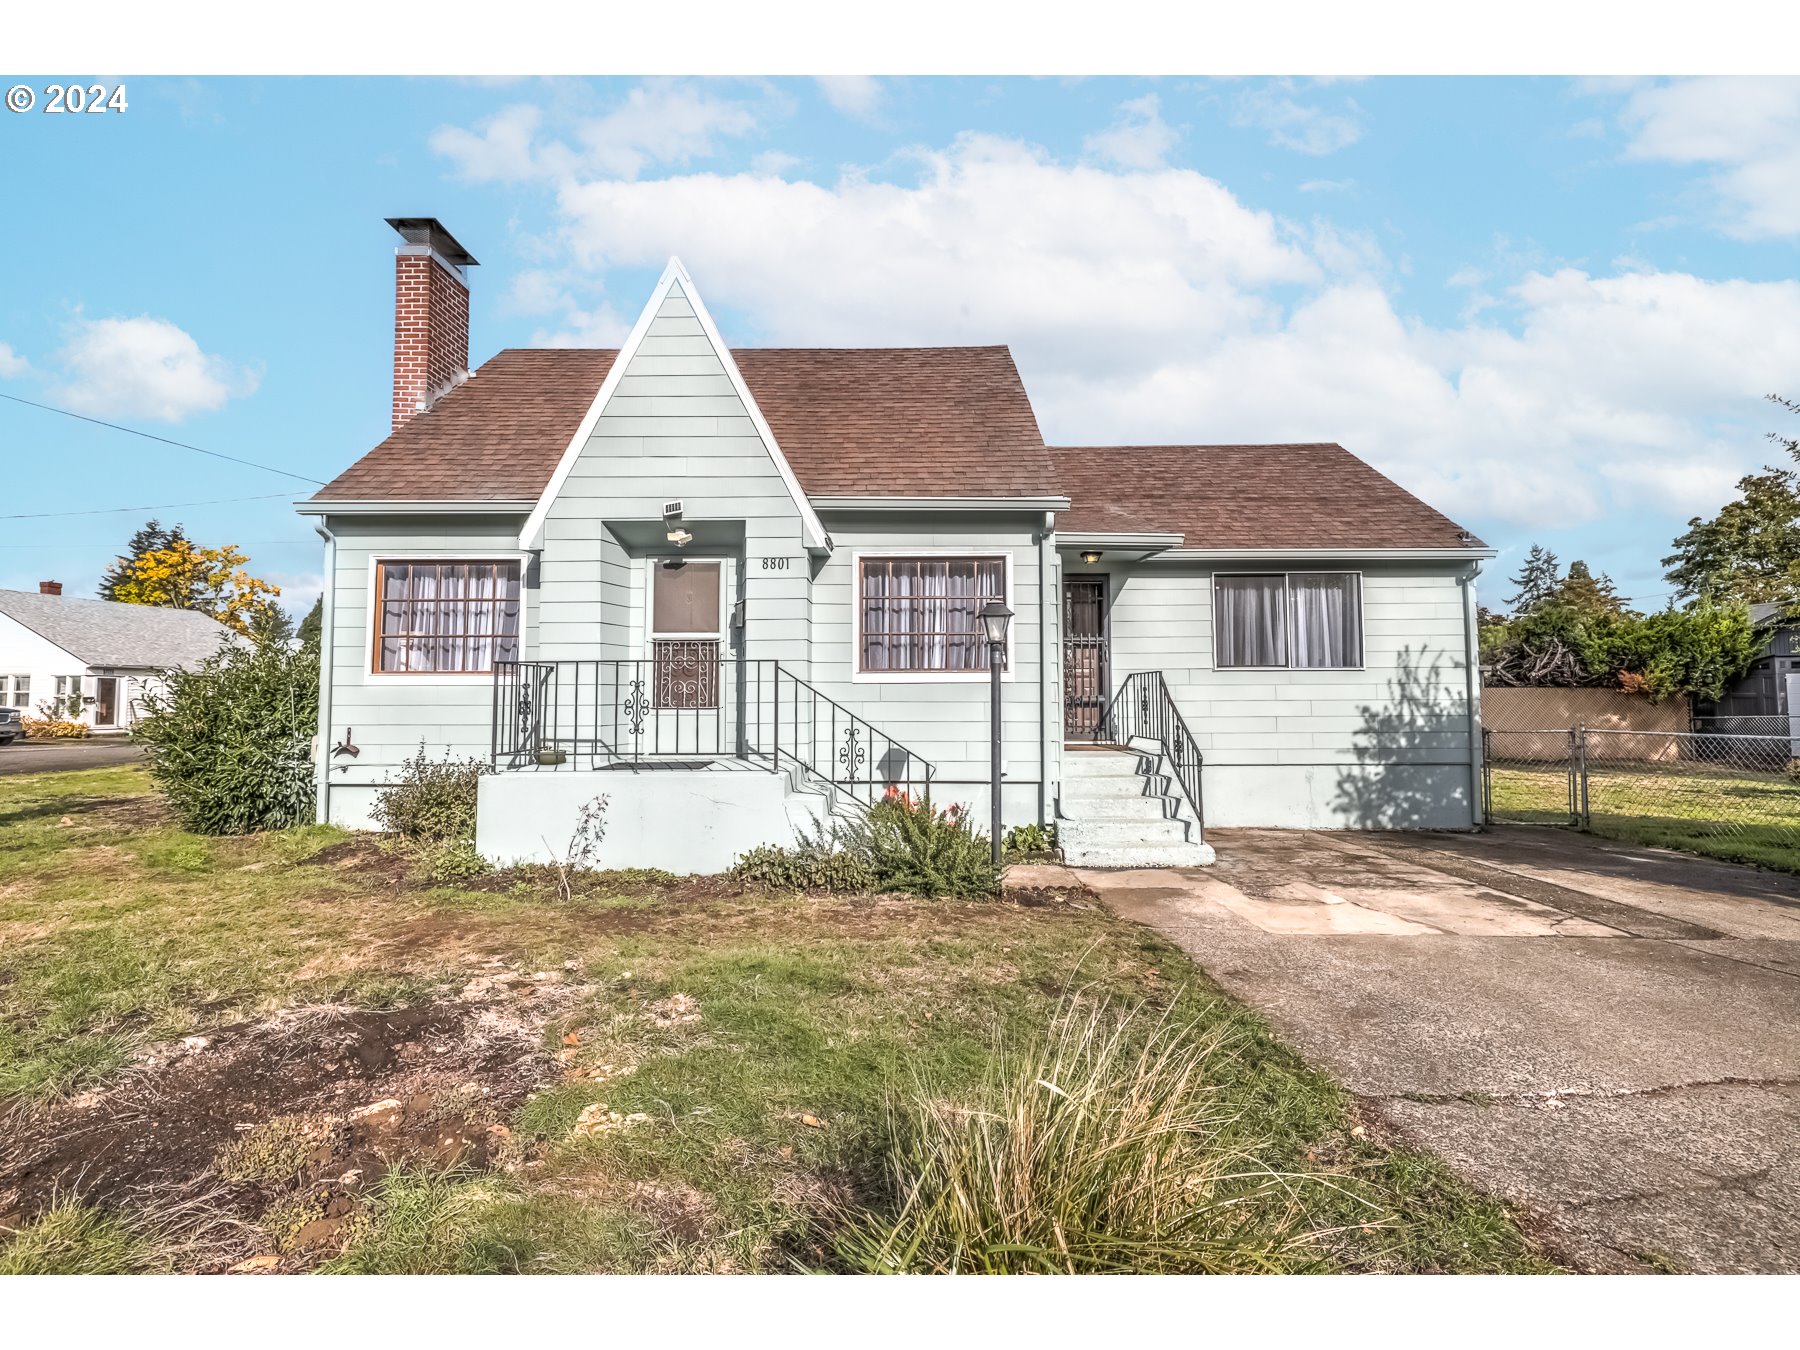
924,614
1287,621
15,690
448,617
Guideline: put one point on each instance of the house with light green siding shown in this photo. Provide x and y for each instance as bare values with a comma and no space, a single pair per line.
739,592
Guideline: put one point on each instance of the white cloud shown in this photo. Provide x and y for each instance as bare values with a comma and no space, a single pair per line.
773,163
144,367
1138,137
857,96
1155,305
1328,185
658,122
12,365
1308,128
1749,128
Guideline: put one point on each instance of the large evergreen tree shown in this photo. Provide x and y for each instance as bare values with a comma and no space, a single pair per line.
1749,551
1586,593
1537,581
312,626
149,538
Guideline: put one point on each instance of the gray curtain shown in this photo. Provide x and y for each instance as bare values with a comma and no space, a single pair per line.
1250,627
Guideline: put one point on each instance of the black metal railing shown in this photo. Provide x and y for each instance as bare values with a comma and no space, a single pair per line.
687,705
1143,707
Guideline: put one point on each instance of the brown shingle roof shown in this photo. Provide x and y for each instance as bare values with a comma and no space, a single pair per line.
890,421
1245,496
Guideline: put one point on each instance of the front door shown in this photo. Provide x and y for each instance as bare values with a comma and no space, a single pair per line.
106,701
1086,682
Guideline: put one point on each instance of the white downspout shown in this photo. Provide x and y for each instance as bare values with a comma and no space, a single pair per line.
1048,609
1472,678
327,635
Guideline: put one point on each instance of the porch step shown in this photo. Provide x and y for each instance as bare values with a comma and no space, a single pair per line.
1118,809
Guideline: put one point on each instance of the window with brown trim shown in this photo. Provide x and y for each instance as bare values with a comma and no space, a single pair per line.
923,614
445,618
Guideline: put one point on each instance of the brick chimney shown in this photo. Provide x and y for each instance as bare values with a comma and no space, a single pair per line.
431,315
49,588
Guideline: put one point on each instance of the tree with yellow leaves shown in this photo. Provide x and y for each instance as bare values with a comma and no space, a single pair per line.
211,580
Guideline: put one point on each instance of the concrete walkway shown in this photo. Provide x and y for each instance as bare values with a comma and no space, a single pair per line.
1606,1036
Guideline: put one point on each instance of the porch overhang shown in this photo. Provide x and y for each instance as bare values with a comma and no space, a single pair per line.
1122,545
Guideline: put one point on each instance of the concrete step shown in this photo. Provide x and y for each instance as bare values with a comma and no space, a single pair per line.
1102,764
1139,855
1119,809
1113,785
1108,833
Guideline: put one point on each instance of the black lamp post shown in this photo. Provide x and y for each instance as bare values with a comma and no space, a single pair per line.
995,619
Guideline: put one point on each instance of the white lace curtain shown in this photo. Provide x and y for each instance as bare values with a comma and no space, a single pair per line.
444,616
1303,620
924,613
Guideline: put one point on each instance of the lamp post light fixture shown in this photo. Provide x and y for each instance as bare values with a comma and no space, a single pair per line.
996,618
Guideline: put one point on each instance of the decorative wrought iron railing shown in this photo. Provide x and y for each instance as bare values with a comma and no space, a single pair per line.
687,704
1143,707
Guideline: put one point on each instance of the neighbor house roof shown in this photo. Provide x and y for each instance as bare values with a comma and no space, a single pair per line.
1245,496
884,421
106,633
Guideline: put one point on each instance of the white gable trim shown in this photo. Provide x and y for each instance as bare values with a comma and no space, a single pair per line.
813,532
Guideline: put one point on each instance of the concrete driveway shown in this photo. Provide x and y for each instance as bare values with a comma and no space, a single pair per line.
1606,1036
96,752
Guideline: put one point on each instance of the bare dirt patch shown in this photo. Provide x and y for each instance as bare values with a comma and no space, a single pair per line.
294,1116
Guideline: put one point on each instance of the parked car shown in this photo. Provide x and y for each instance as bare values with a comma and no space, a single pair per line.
12,726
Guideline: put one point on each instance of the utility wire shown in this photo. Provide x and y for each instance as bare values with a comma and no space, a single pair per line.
119,510
180,445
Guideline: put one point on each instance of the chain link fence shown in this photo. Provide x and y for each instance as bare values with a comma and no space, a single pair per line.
1723,793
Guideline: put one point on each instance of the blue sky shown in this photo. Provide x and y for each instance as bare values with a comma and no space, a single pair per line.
1549,306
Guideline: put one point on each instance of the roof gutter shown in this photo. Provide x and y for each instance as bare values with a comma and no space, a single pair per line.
1033,504
313,506
1347,554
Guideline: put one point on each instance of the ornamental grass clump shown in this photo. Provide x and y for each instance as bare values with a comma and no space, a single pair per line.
1101,1148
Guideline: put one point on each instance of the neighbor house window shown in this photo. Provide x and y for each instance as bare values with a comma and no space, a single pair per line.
68,695
923,614
454,618
1291,620
15,690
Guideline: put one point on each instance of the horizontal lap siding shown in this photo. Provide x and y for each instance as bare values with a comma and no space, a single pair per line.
1384,745
944,721
387,719
674,429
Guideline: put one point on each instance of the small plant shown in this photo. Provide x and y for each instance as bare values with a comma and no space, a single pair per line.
70,1238
914,847
444,862
275,1152
1028,841
584,846
805,869
432,799
54,728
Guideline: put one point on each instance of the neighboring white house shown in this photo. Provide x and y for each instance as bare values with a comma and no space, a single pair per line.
92,660
736,589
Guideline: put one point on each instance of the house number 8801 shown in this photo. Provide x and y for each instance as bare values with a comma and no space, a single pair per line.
775,564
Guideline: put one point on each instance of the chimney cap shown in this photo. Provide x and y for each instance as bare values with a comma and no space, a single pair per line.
430,231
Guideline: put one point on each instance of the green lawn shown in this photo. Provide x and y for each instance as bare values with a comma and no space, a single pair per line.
1735,816
747,1065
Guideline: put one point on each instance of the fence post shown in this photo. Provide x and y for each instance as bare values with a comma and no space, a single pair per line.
1487,775
1581,744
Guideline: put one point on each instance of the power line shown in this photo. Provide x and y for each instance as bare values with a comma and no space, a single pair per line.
120,510
180,445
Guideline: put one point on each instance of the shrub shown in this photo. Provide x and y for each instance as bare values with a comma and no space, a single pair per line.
54,728
1102,1148
444,862
1024,841
804,869
911,846
230,741
432,799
